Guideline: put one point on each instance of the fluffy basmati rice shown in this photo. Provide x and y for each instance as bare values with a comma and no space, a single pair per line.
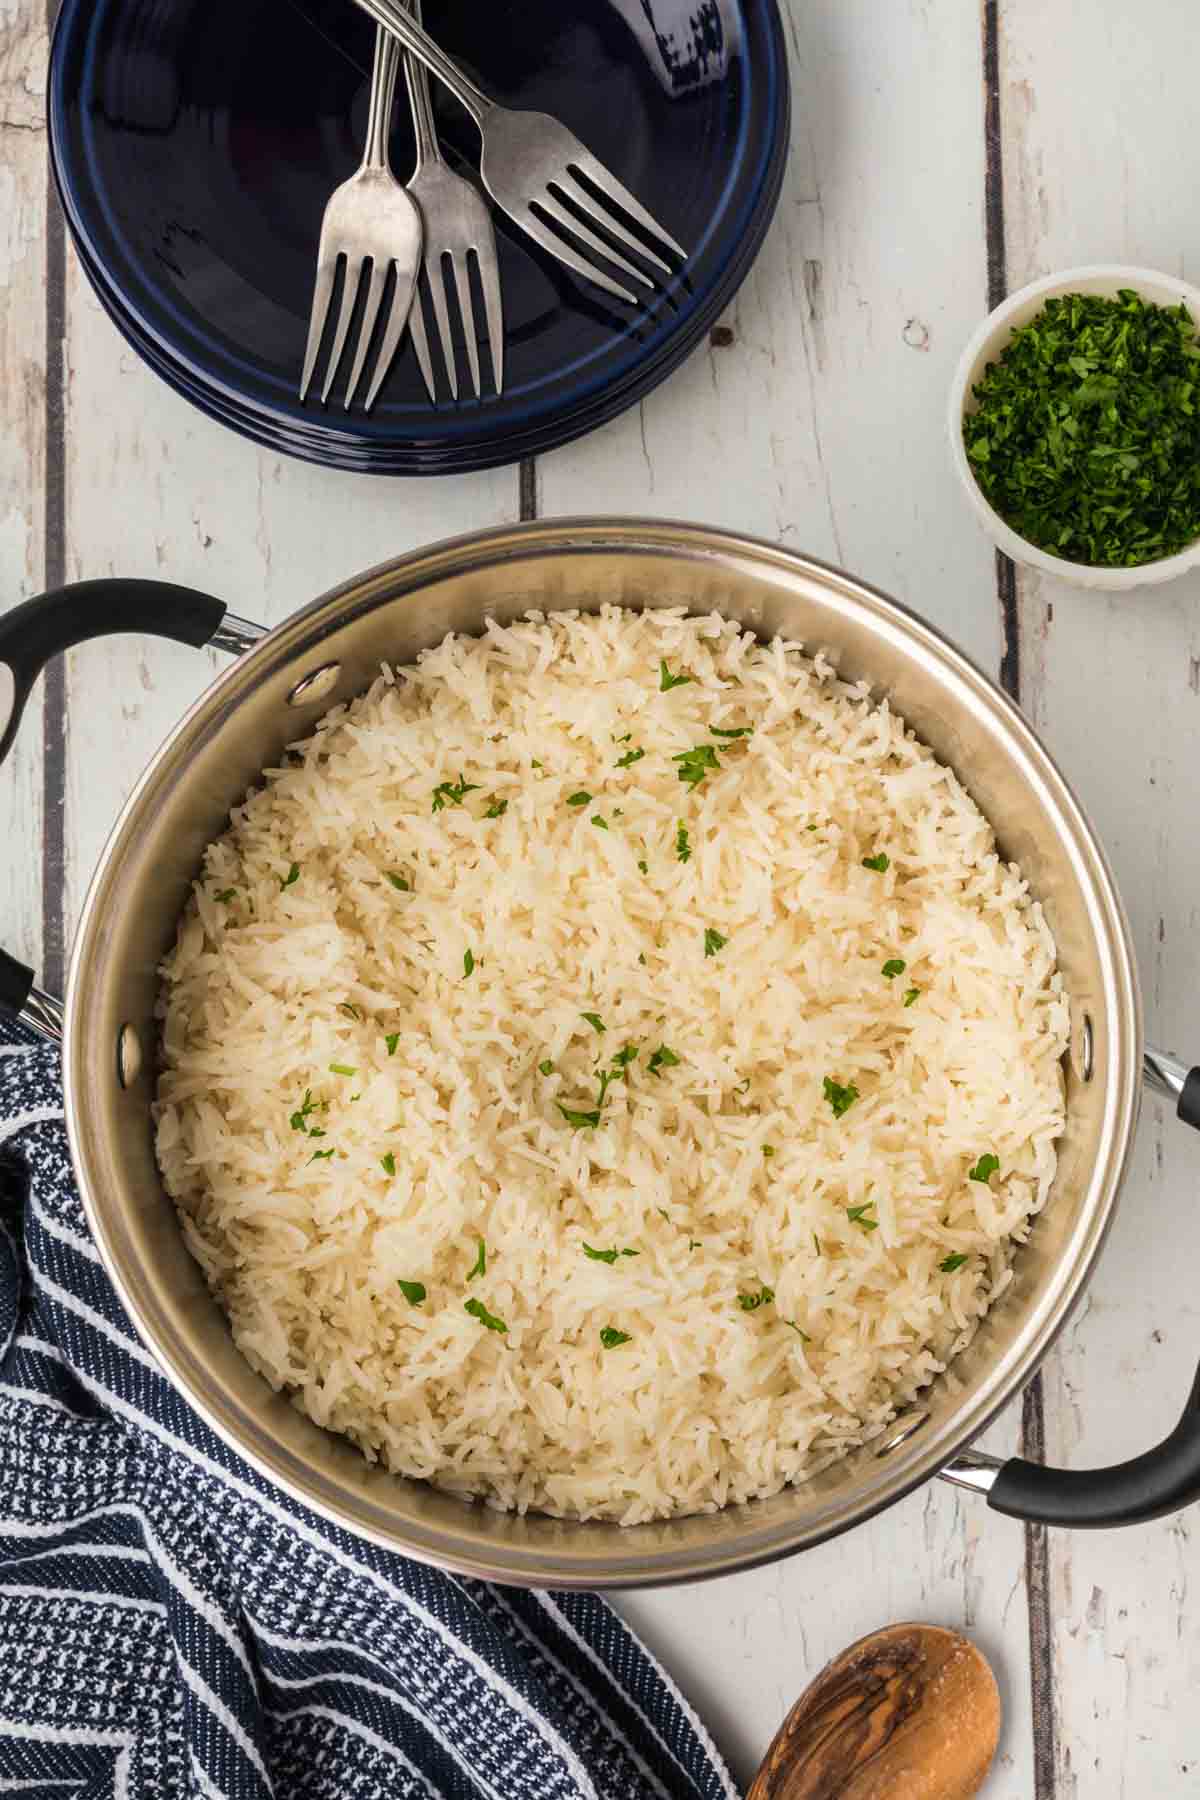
367,987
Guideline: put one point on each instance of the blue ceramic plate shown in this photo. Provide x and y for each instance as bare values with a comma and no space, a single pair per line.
195,143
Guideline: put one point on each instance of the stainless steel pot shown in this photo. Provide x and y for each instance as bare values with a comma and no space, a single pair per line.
280,683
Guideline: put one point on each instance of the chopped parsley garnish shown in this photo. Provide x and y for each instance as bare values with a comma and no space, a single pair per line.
342,1069
644,867
623,1058
878,863
840,1098
985,1168
628,738
1085,434
350,1011
479,1311
496,810
607,1256
535,764
547,1067
225,896
713,941
453,793
468,964
413,1291
911,995
293,875
579,1121
597,820
606,1079
858,1215
391,1040
594,1020
696,763
893,967
398,882
388,1163
320,1155
752,1302
610,1337
307,1106
768,1149
816,1243
683,849
953,1262
803,1335
582,798
667,681
480,1267
642,957
630,757
662,1058
735,731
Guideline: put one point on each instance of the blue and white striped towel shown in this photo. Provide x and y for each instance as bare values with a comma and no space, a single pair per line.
169,1625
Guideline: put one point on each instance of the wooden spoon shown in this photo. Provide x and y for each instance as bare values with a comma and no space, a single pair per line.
910,1713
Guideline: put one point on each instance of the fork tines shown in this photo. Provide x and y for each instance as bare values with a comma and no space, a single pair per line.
574,204
354,269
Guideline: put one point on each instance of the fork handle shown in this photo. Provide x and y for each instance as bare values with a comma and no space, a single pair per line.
416,77
392,16
383,96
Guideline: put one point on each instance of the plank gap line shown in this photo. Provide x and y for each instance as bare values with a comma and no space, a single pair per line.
1033,1411
54,575
527,489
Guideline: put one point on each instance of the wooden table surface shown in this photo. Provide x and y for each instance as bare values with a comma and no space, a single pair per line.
943,150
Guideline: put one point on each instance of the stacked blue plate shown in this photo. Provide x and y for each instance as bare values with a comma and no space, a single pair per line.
196,142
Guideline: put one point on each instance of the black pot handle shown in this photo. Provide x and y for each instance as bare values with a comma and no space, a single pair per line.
16,985
38,629
1162,1480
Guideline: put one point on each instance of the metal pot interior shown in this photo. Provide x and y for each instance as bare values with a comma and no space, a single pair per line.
242,724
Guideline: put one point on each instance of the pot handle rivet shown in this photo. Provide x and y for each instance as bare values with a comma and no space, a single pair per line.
129,1056
903,1428
315,685
1083,1048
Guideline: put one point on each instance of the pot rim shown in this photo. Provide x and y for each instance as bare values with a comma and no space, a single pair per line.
731,1549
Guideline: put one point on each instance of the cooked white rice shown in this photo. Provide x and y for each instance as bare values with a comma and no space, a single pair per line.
726,1171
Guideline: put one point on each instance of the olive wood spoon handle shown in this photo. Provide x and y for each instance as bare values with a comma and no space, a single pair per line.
909,1713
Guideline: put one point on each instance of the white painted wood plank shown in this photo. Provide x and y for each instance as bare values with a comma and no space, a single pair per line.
1100,154
156,489
22,364
821,425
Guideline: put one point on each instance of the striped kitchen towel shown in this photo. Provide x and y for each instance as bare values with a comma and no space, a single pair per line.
171,1625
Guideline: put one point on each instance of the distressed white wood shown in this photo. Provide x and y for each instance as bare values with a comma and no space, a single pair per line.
1101,166
22,364
821,425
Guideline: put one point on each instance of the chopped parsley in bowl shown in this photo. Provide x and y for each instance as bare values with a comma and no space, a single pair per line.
1075,426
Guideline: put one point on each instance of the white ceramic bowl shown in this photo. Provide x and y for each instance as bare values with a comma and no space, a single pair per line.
988,343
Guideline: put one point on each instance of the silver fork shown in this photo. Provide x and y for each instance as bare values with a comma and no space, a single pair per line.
531,164
457,222
368,219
